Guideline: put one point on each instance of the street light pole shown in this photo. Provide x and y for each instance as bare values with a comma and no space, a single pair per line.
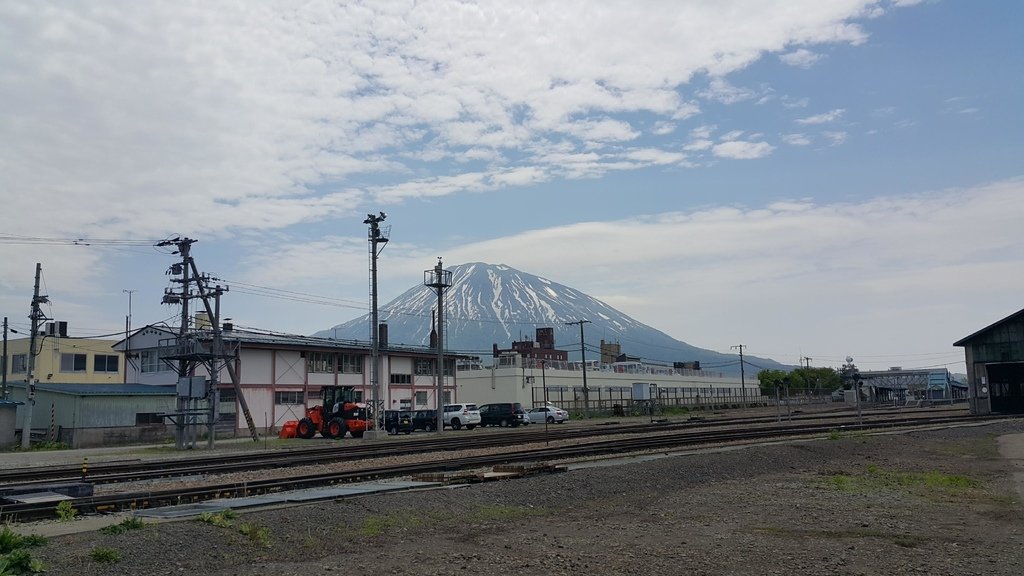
375,236
438,278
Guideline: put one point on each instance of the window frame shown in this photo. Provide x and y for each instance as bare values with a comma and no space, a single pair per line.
19,364
74,358
106,359
321,362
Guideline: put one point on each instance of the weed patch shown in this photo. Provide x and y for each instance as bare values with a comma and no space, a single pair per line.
123,526
222,519
65,511
875,479
105,555
504,513
259,535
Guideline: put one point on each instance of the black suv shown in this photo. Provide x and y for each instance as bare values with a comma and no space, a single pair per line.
424,420
503,414
396,421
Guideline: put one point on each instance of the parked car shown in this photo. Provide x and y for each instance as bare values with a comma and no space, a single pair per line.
550,414
424,420
458,415
398,421
502,414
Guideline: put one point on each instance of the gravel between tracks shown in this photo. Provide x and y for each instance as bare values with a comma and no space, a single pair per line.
929,502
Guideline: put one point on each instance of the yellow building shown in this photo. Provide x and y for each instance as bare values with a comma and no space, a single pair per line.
61,359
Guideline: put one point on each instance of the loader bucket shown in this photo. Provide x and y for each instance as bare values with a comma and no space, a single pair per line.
288,429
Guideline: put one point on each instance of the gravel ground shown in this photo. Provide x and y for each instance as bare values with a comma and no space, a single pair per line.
936,502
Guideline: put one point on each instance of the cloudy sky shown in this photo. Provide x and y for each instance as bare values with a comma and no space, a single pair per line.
807,178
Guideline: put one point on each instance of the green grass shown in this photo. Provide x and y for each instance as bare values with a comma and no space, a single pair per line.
380,525
105,555
986,448
46,446
11,540
123,526
259,535
222,519
875,479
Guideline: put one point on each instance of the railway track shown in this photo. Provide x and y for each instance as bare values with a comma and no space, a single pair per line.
627,440
349,450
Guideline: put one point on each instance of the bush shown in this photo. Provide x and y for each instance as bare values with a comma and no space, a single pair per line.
123,526
105,555
20,562
65,511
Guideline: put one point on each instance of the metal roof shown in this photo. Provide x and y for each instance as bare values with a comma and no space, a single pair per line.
963,341
102,389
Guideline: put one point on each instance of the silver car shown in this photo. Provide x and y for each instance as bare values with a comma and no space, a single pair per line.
549,414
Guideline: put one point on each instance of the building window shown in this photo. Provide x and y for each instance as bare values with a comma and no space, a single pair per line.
421,398
148,418
321,363
105,363
19,364
288,397
149,361
351,364
72,362
401,378
424,367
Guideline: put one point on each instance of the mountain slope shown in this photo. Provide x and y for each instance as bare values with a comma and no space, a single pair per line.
495,304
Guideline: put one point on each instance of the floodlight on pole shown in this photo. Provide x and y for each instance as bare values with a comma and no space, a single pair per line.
439,279
376,236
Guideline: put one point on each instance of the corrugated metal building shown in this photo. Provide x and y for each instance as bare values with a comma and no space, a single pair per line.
83,415
995,366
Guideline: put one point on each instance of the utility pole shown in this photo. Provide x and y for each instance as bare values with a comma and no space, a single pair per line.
583,362
35,317
189,351
3,364
375,237
127,333
743,374
439,279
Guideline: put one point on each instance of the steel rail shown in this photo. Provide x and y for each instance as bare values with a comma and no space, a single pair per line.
133,470
19,512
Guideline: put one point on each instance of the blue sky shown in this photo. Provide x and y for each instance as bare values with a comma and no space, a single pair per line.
806,178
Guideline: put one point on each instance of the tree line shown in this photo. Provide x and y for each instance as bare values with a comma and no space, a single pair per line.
799,380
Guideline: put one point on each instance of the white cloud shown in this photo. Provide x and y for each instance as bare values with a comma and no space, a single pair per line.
742,150
248,113
720,90
859,265
698,145
823,118
662,128
801,58
791,102
835,138
796,139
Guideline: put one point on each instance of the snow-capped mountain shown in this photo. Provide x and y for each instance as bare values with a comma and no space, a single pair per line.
491,304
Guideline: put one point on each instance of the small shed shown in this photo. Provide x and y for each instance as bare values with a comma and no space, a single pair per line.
8,423
995,366
86,415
